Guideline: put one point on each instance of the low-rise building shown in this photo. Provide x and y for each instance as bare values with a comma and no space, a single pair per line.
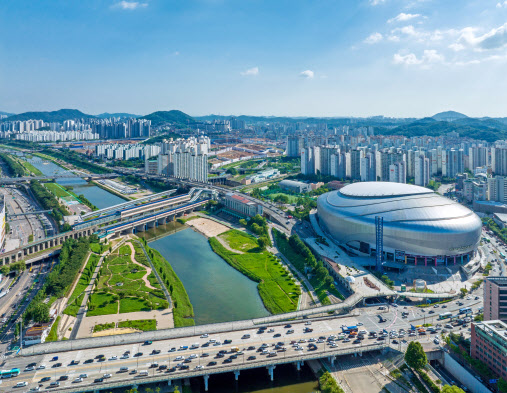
37,334
295,186
261,176
500,219
489,345
236,203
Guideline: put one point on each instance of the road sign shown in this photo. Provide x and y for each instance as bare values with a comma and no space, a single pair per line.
493,381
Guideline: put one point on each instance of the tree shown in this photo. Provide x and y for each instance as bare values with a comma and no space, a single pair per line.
243,222
452,389
176,390
40,312
415,356
262,242
463,291
232,171
502,385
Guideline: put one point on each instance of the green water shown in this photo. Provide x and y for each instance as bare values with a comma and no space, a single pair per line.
96,195
218,292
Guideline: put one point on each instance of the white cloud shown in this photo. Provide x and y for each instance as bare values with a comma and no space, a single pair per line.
501,4
308,74
403,17
430,56
377,2
496,38
373,38
254,71
457,47
130,5
176,53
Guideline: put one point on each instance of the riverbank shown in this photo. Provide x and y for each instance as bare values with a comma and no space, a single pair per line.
277,289
111,191
183,311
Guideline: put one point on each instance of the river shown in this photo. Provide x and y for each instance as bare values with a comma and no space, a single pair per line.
218,292
96,195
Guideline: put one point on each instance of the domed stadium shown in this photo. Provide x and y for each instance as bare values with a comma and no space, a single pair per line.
419,226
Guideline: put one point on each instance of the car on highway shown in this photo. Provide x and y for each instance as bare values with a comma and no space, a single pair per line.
29,368
98,380
87,361
74,362
57,365
205,335
155,352
83,375
125,356
212,363
114,357
63,378
149,342
77,380
21,384
54,384
107,376
228,360
138,354
35,389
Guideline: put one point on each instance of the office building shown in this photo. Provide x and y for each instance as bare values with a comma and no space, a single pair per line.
239,204
495,298
489,345
295,186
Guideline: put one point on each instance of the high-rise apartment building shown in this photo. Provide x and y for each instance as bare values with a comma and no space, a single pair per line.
421,170
185,159
477,157
398,172
293,146
355,163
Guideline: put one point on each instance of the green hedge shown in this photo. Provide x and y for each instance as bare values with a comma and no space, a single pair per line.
328,384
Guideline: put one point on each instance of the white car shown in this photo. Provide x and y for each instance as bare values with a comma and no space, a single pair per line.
436,341
41,367
107,376
78,379
177,358
35,389
199,367
193,356
21,384
113,358
205,335
126,356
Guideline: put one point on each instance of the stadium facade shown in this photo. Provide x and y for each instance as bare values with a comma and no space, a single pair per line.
420,227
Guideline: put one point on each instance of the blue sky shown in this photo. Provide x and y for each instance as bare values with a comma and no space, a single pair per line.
277,57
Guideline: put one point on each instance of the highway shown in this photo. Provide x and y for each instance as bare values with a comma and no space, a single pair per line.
171,355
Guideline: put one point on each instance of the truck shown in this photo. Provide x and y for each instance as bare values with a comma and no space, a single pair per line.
235,349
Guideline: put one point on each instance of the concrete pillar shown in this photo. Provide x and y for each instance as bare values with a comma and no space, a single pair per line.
355,354
331,359
360,354
206,378
236,375
170,382
270,371
298,366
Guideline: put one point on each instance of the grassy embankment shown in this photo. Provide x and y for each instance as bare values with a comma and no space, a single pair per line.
299,262
277,289
183,312
77,296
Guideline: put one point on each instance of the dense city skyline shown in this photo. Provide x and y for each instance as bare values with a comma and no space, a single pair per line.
375,57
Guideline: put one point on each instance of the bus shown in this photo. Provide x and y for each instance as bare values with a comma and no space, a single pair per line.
9,373
465,310
349,329
445,315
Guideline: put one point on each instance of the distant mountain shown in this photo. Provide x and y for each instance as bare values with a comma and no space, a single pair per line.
55,116
6,113
106,115
449,116
487,129
168,117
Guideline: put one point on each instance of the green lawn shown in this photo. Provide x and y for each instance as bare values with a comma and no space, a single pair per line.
103,326
278,291
102,304
292,198
121,278
140,324
132,304
53,333
98,248
57,190
239,240
30,168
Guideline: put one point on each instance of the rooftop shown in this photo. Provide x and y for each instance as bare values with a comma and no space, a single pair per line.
377,189
495,326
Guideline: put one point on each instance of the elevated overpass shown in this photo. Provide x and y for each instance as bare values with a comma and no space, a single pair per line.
83,349
89,176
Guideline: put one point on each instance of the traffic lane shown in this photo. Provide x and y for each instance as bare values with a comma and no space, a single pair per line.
97,370
322,326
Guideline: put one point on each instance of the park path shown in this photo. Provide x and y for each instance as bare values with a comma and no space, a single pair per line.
224,243
148,269
82,310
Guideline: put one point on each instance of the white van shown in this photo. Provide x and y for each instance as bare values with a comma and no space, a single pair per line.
124,369
143,373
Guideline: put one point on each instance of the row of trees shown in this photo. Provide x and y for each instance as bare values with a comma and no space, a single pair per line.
259,226
77,159
15,167
47,200
60,279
